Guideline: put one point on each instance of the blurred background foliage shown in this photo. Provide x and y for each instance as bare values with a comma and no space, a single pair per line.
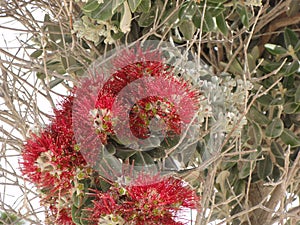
251,47
6,218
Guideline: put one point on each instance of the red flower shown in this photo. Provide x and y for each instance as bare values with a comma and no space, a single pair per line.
106,203
158,199
35,167
136,54
165,97
50,159
148,200
62,216
111,104
91,126
140,90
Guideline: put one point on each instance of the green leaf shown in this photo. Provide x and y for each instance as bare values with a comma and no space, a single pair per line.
117,36
55,34
208,23
245,170
275,128
75,69
56,65
264,167
290,38
85,217
80,200
91,6
36,53
275,49
251,62
7,218
169,142
109,166
255,133
228,165
189,175
289,83
216,1
243,13
75,212
134,4
157,153
289,138
276,174
145,6
297,95
170,17
221,23
126,18
188,29
40,75
104,12
142,159
55,82
110,149
292,68
277,151
239,187
124,153
271,66
237,209
214,9
147,18
265,99
291,107
255,52
197,20
104,185
277,101
291,92
64,62
257,116
297,47
221,179
116,4
187,10
236,67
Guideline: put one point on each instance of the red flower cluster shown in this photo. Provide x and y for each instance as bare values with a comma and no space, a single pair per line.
167,98
62,215
141,87
148,200
137,92
50,160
